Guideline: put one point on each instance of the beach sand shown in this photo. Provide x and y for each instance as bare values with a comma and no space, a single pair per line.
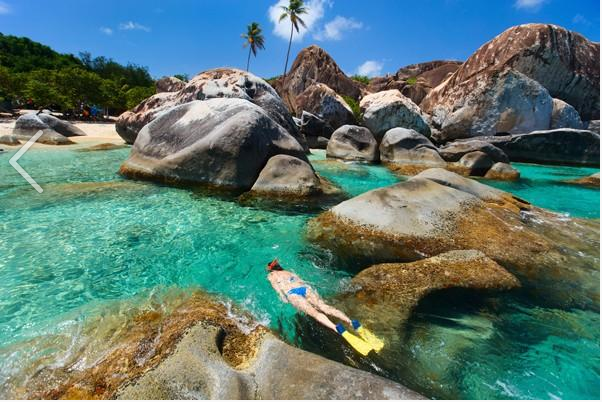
96,133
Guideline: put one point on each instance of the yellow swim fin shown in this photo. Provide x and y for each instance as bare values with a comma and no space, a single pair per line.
376,343
356,343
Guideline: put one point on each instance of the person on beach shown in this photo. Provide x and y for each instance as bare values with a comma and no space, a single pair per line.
292,289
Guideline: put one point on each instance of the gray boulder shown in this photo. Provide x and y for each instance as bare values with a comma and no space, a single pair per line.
221,142
29,124
454,151
313,126
322,101
491,103
593,125
317,142
385,110
502,171
216,83
353,143
477,163
560,146
564,116
169,84
290,176
9,139
407,146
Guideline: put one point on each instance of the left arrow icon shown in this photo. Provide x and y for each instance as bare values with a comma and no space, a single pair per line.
18,168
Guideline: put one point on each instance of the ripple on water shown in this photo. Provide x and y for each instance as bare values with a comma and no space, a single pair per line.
92,238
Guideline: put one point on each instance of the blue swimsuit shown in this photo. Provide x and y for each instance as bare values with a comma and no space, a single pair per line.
300,291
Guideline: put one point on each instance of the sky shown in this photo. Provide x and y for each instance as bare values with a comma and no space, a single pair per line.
364,37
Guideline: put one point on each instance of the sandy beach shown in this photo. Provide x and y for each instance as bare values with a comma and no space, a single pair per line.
96,133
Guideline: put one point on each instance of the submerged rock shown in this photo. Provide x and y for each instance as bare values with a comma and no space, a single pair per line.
588,181
561,146
564,62
216,83
220,142
353,143
322,101
385,110
439,211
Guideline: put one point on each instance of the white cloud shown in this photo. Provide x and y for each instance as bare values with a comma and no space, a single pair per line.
4,8
532,5
106,31
133,26
334,29
282,29
371,68
580,19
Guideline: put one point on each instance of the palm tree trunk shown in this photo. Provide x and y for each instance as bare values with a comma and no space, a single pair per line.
248,58
290,41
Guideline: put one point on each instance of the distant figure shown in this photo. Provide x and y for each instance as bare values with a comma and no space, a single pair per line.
292,289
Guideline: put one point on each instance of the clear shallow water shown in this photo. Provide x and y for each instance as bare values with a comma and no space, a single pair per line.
93,238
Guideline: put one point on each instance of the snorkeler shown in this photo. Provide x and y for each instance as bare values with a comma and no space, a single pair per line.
291,289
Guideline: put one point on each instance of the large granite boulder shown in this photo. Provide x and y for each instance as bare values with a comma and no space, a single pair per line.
312,126
476,163
491,103
416,80
9,139
216,83
314,65
438,211
454,151
403,146
564,62
353,143
286,175
502,171
29,124
322,101
223,142
561,146
565,116
169,84
385,110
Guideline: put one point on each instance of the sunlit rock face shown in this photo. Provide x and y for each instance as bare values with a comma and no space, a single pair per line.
565,63
215,83
438,211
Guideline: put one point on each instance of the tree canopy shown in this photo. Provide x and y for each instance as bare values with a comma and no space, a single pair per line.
33,73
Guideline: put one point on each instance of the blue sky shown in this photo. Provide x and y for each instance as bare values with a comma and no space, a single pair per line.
370,37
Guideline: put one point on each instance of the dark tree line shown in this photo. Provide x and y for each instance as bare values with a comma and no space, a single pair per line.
34,75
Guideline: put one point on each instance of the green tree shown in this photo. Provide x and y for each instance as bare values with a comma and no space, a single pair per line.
254,39
136,95
292,12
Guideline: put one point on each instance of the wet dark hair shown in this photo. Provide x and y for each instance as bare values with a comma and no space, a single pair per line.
274,266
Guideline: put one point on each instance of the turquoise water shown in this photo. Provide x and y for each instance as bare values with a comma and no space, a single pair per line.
93,238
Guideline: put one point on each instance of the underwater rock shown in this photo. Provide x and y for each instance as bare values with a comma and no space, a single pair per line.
402,286
385,110
353,143
219,142
287,175
588,181
438,211
215,83
107,146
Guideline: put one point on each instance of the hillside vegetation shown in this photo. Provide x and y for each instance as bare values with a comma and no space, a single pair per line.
34,75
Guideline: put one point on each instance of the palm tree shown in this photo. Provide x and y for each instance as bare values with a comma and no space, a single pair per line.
254,39
293,11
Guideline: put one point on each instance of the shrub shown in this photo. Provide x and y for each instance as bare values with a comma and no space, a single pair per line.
411,81
361,78
355,108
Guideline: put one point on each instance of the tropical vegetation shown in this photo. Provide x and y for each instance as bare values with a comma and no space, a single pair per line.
293,12
33,75
254,40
